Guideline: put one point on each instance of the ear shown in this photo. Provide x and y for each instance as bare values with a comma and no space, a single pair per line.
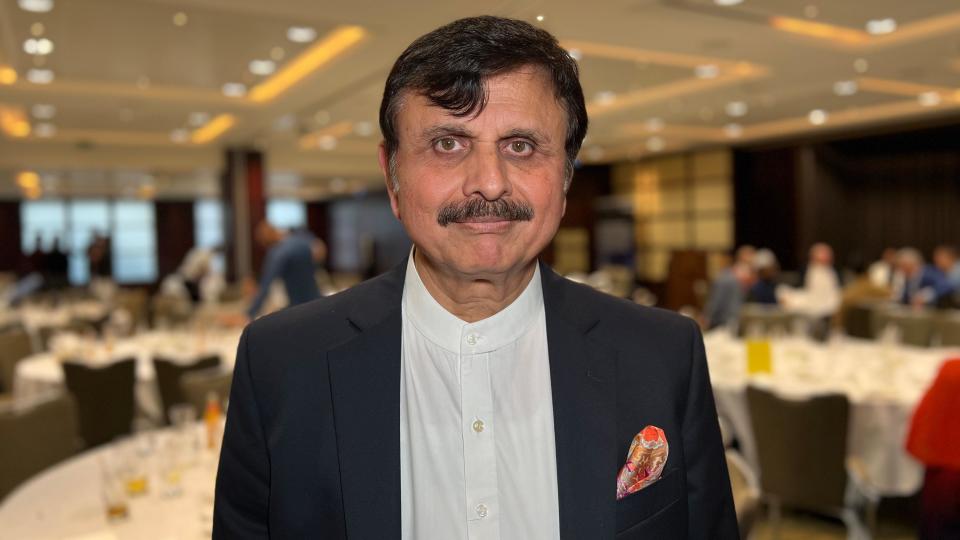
384,161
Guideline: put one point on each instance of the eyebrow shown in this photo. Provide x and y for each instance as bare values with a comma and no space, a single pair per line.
444,130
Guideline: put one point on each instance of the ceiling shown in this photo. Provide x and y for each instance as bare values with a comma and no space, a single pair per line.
139,103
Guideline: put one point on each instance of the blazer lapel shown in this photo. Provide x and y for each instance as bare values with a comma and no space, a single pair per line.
583,380
365,385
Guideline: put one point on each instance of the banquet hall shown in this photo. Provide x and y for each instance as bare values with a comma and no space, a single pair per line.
784,173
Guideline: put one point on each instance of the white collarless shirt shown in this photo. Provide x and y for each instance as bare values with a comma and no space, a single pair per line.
477,448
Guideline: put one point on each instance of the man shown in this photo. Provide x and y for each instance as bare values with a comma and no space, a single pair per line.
290,257
471,392
924,285
730,289
945,259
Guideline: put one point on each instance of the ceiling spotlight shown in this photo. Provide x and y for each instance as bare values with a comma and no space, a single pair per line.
35,6
262,67
878,27
277,54
363,129
40,76
44,129
655,144
180,19
576,54
654,125
727,3
539,18
811,11
605,97
817,117
197,119
180,136
43,111
929,99
706,71
234,89
38,46
301,34
736,109
733,130
845,88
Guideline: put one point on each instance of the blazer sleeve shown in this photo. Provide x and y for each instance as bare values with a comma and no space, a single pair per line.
243,479
709,499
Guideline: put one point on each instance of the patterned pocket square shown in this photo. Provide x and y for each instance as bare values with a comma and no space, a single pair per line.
645,460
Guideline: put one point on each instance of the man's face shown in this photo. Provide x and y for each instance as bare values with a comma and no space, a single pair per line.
512,152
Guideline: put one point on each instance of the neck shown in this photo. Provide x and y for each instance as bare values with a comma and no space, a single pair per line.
472,298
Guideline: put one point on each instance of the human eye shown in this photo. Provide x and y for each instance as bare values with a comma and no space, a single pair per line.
447,145
520,147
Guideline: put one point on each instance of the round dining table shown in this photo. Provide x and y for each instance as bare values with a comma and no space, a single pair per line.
883,382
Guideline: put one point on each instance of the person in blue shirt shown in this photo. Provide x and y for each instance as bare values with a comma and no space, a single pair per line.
290,258
924,285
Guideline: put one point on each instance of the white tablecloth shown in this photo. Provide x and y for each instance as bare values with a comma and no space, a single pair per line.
66,503
41,373
883,383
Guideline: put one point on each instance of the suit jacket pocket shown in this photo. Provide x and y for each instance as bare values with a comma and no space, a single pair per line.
645,503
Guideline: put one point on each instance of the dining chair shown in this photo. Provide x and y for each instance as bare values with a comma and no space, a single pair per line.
15,345
756,318
105,398
948,329
914,327
169,374
35,437
802,452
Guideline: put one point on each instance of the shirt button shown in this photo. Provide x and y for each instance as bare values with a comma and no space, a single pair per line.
472,339
481,510
478,425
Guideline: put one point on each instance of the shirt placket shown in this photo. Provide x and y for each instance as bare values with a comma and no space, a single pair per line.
480,466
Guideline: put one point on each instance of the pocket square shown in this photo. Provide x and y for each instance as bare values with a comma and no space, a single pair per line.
645,460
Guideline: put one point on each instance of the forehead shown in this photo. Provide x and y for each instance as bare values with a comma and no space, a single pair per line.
514,99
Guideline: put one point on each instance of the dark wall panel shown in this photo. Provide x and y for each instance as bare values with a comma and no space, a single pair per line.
175,234
10,255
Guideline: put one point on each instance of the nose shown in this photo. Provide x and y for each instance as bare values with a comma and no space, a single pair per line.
486,174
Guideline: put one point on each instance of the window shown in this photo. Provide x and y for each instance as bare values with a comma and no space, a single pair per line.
208,228
130,225
286,213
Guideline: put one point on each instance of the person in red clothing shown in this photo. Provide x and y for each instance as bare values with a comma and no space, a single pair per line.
934,440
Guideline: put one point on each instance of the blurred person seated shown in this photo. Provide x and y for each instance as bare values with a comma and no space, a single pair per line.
290,258
945,259
819,297
934,439
883,272
767,268
729,290
862,288
924,285
200,276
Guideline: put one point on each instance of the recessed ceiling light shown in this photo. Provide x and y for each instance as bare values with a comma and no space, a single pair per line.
576,54
35,6
539,18
301,34
654,125
38,46
655,144
811,11
363,129
180,136
197,119
234,89
929,99
727,3
43,111
860,65
845,88
736,109
817,117
40,76
878,27
277,54
605,97
180,18
262,67
44,129
733,130
37,29
327,142
706,71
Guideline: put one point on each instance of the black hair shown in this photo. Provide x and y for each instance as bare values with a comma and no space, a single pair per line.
450,65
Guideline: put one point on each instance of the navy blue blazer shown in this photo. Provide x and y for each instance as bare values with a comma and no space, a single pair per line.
312,441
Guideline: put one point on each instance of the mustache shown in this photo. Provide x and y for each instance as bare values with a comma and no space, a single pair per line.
506,209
